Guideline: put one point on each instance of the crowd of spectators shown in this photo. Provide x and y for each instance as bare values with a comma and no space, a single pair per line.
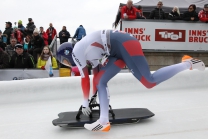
128,11
28,47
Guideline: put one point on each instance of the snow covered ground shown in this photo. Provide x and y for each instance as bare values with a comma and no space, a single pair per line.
180,105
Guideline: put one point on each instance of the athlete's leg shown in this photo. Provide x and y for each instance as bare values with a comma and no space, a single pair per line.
139,60
132,54
105,74
113,66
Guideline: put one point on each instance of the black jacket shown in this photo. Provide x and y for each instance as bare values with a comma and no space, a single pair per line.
64,38
22,61
173,16
30,28
187,16
8,32
4,59
36,42
157,14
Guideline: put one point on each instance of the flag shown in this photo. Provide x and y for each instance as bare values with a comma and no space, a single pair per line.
48,67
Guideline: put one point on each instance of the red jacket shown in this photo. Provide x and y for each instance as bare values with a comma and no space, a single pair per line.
45,37
18,35
203,16
53,33
131,13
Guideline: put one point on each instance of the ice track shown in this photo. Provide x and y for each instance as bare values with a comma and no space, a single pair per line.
180,104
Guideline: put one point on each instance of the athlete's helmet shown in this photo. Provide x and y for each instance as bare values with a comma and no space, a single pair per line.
64,54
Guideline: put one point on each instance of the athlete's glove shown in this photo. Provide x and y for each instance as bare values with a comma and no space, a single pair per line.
86,111
85,108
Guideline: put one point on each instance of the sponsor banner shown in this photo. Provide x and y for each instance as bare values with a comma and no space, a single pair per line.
168,35
18,74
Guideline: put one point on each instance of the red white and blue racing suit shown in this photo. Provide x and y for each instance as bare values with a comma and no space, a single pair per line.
123,50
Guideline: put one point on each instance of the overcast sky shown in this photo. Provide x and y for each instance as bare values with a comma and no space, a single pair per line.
92,14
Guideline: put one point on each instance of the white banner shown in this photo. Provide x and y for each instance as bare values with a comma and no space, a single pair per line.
168,35
18,74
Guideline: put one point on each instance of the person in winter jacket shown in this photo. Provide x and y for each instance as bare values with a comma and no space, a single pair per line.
118,17
174,14
10,49
128,11
30,27
158,12
139,13
44,57
4,58
21,59
44,35
80,33
191,14
8,32
21,27
203,14
26,43
51,32
64,35
36,44
18,35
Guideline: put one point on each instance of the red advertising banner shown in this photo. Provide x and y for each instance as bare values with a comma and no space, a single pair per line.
170,35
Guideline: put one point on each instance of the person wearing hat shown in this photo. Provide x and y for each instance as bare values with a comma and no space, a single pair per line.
30,27
21,59
203,14
4,58
20,26
8,31
36,45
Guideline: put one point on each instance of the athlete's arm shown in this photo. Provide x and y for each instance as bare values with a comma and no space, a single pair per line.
85,82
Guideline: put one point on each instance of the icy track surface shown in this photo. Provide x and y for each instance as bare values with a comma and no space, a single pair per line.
180,105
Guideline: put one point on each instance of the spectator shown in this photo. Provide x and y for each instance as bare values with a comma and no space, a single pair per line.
10,49
26,43
174,14
21,27
18,35
203,14
8,32
128,11
191,14
64,35
139,13
4,58
44,35
44,57
30,27
80,33
118,17
51,32
0,36
21,59
158,12
36,45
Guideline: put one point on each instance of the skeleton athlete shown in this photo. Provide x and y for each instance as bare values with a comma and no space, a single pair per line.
113,50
